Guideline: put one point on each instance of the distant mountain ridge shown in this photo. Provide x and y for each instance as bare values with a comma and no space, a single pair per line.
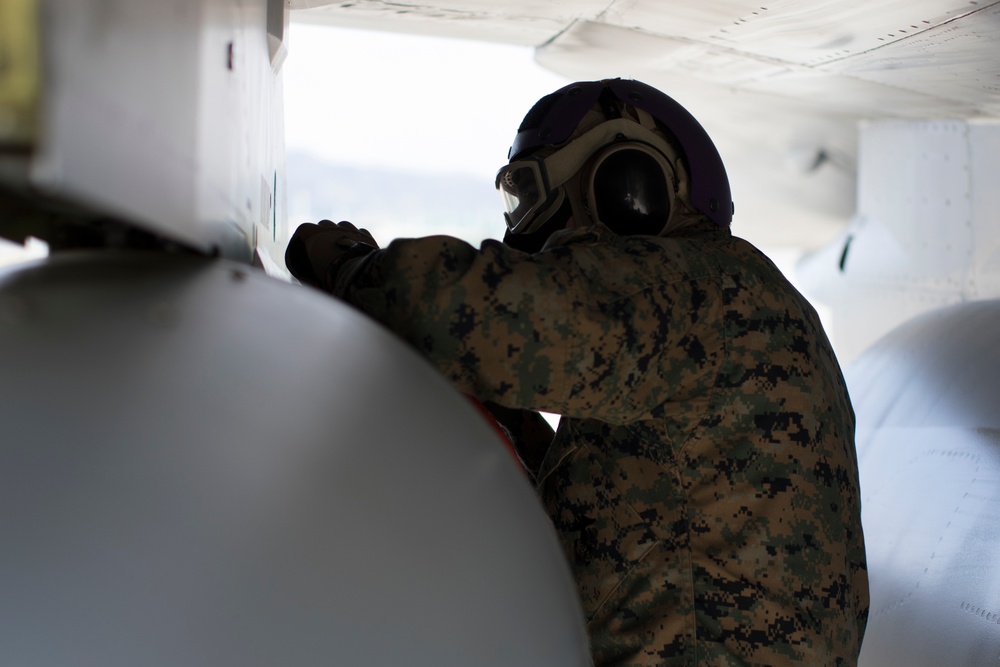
392,204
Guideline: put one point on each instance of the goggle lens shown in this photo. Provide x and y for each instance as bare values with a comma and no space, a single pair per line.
522,192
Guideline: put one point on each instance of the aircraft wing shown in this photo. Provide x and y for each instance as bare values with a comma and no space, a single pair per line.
885,58
780,86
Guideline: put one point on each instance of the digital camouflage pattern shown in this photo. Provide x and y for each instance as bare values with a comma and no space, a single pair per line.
703,481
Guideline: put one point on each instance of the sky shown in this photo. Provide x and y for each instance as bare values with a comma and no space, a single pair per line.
421,124
407,102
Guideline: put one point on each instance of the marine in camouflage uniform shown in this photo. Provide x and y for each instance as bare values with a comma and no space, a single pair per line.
703,480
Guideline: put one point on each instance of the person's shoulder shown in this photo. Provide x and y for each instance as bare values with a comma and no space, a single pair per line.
651,260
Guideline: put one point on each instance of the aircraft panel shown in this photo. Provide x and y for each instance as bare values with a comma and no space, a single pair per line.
107,112
918,176
159,116
985,137
948,61
929,455
200,465
817,33
624,47
522,23
925,232
934,50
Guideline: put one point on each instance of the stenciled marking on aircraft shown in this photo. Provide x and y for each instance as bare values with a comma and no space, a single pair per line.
975,610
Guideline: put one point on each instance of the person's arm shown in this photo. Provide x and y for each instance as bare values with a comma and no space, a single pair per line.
581,329
521,330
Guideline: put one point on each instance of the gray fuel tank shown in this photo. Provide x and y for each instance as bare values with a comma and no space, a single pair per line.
200,465
927,397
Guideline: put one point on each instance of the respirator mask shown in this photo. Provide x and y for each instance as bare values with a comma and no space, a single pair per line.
619,174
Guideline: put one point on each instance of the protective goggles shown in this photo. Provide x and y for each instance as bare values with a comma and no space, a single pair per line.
532,188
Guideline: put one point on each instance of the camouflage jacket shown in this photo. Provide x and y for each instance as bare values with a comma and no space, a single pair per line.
703,480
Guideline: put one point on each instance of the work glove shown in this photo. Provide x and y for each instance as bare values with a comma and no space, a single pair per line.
316,252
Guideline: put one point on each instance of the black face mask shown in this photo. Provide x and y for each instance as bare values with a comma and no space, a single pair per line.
533,242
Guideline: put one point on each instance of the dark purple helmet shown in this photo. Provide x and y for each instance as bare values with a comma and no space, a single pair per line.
553,119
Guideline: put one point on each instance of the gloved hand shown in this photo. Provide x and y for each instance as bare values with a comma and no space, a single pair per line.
317,251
